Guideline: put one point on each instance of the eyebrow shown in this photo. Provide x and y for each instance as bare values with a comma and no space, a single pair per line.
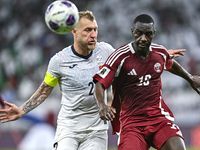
91,28
142,30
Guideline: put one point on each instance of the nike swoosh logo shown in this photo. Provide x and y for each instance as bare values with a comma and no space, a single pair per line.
73,66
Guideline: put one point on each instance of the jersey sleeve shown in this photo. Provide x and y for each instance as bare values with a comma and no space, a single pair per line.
107,73
1,102
160,49
104,76
168,62
52,74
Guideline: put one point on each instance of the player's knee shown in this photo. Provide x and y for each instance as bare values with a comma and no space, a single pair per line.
174,143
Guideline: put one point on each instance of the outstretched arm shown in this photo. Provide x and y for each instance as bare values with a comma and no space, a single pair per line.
106,112
176,53
194,81
13,112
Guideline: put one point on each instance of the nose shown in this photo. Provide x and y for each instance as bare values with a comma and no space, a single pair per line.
143,38
94,34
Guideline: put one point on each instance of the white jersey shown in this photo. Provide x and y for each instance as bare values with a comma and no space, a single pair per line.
79,110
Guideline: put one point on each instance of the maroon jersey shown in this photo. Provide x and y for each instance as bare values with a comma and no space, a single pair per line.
137,86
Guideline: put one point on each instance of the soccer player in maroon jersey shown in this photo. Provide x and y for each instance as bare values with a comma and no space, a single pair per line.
138,112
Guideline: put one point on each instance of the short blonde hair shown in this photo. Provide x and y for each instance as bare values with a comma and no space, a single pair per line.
86,14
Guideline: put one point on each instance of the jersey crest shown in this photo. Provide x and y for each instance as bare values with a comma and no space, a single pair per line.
157,67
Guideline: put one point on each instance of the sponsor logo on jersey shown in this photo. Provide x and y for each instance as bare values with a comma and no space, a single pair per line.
72,66
103,72
157,67
132,72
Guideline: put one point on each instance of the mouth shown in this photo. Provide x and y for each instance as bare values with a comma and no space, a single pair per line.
92,42
142,45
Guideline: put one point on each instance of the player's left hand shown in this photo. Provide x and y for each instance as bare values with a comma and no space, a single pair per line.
176,53
11,113
196,83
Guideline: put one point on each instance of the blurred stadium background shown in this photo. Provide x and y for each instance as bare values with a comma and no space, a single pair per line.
26,45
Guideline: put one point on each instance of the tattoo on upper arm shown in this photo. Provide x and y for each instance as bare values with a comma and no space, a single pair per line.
38,97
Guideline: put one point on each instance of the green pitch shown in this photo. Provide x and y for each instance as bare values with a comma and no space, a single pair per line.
188,148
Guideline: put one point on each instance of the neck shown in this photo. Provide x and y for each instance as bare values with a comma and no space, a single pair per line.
143,53
81,50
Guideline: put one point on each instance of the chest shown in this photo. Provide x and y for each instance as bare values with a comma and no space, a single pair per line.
78,72
137,70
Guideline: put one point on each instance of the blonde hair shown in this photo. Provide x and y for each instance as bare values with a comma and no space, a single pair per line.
86,14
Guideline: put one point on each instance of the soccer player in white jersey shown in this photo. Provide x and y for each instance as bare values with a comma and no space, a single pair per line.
79,126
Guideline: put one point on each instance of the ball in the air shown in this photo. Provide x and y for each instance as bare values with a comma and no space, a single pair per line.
61,16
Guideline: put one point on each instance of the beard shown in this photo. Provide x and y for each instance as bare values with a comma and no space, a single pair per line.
87,46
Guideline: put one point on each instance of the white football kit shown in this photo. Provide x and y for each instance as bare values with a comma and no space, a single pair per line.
78,120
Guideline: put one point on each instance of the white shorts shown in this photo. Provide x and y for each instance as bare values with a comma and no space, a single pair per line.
87,140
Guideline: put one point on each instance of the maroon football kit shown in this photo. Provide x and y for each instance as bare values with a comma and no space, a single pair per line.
137,90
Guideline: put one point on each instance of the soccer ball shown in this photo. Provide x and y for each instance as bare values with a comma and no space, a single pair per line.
61,16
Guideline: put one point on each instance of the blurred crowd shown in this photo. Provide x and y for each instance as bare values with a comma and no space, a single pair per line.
26,45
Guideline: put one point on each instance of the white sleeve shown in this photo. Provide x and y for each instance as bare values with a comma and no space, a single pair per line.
53,67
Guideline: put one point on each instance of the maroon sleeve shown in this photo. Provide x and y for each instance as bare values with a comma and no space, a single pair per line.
1,101
168,63
104,76
116,125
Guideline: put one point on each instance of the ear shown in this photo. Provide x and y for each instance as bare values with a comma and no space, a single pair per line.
74,32
154,32
132,30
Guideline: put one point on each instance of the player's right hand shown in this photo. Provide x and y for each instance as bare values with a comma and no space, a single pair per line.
107,112
10,113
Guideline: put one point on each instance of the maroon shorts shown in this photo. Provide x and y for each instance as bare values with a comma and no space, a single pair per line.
141,138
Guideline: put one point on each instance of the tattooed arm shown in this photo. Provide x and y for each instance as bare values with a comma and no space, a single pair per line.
14,112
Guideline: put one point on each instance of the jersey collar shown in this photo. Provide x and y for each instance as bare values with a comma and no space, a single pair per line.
132,49
79,55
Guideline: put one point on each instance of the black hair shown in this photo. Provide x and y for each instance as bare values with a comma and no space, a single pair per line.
144,18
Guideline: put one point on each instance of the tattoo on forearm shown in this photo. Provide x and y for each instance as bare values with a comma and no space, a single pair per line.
40,95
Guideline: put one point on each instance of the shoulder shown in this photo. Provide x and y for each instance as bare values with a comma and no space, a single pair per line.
159,50
120,54
157,47
103,46
124,50
63,54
